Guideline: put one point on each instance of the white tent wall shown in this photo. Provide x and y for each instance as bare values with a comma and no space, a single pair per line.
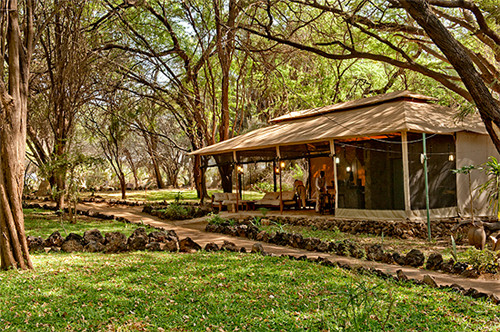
473,149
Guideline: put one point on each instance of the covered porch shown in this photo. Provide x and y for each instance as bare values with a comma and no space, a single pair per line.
372,152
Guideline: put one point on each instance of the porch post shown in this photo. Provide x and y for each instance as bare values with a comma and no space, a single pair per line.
334,157
279,167
237,182
406,173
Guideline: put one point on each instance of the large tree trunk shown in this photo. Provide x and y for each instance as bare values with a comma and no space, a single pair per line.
13,113
157,170
123,185
460,59
199,178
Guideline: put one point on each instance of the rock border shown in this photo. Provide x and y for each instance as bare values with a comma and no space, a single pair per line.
414,258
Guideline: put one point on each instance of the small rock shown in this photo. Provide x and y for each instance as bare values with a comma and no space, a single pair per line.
93,235
138,239
54,240
35,243
257,248
72,245
188,245
495,299
295,240
434,261
448,266
401,275
93,246
170,245
243,250
211,246
414,258
115,242
470,273
157,236
229,246
457,288
374,253
398,258
154,246
74,236
428,280
387,258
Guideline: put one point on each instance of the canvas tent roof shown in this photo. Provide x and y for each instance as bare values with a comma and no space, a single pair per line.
384,114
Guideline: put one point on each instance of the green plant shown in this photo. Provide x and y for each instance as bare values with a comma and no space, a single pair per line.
480,260
215,219
454,249
177,197
175,212
492,186
256,221
360,304
264,186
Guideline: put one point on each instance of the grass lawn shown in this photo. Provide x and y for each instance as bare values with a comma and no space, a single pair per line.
223,291
43,223
158,291
169,195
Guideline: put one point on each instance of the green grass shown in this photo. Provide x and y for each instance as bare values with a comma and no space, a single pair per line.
158,291
142,290
43,223
169,195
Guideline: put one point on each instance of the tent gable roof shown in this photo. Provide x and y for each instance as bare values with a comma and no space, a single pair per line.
354,104
395,114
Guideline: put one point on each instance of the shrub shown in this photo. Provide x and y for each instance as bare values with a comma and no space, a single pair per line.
481,260
215,219
175,212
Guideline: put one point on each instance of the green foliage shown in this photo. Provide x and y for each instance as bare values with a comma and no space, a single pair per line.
454,249
264,186
492,186
178,197
220,291
43,223
464,170
481,260
363,302
175,212
215,219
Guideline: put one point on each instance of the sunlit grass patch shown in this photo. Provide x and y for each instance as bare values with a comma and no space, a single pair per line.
201,291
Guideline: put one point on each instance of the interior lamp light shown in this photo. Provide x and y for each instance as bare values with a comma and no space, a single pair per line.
348,168
337,160
451,157
282,164
277,170
239,168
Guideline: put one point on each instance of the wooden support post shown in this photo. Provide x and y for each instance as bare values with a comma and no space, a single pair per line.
278,154
235,159
406,173
335,182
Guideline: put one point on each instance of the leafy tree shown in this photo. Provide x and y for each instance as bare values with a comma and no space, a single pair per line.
422,36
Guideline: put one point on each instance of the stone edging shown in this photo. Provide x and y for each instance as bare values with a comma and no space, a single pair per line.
415,258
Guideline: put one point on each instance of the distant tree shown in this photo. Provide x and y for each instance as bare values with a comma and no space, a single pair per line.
63,83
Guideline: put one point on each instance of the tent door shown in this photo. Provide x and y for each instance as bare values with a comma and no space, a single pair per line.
397,189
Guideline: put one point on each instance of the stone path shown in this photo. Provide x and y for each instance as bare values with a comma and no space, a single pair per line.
195,230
